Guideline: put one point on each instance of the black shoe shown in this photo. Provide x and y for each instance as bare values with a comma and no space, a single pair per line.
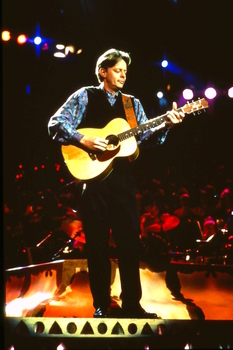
138,312
101,312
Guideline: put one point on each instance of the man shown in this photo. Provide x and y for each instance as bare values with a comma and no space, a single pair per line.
110,204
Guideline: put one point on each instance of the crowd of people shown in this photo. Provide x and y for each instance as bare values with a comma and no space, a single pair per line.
184,223
173,218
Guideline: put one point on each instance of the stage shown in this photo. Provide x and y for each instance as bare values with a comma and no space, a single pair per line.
48,304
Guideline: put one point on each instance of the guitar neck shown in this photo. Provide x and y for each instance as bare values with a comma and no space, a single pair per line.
160,122
157,122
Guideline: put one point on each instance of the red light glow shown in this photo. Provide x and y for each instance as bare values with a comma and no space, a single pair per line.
21,39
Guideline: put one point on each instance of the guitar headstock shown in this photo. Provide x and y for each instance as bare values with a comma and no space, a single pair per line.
192,107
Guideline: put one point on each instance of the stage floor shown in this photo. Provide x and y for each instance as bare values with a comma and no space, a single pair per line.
61,289
49,306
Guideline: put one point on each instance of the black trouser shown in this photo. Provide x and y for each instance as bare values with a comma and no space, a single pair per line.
111,204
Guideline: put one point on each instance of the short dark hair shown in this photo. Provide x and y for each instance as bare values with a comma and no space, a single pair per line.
109,59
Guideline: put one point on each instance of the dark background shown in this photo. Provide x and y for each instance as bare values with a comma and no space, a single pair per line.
196,36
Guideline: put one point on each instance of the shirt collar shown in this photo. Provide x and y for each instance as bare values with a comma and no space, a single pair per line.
108,93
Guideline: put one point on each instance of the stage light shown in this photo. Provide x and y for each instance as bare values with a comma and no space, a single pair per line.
187,94
164,63
60,46
59,54
187,258
70,49
79,51
159,94
37,40
6,35
188,346
210,93
21,39
28,89
45,47
66,49
230,92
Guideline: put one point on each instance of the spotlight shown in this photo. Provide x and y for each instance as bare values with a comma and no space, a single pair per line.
59,54
6,35
187,94
164,63
21,39
37,40
70,49
230,92
28,89
60,46
160,94
210,93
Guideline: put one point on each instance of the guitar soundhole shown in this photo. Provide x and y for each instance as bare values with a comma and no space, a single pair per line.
113,142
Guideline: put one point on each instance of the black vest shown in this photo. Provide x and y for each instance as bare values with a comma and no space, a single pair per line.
99,111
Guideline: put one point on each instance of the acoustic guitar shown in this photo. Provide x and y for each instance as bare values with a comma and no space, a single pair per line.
86,166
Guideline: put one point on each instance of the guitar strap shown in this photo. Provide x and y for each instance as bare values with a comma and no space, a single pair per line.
129,111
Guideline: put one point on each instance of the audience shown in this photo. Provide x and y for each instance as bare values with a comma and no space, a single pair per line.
203,211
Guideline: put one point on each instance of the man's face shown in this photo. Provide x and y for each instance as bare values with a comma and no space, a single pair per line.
115,77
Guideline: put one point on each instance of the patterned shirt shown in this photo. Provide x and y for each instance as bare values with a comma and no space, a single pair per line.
64,123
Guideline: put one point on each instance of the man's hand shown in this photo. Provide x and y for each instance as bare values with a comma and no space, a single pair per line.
174,116
94,144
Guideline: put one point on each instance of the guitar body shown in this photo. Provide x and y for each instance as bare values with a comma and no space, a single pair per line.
85,166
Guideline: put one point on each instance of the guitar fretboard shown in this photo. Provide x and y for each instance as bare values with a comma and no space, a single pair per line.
158,122
151,124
